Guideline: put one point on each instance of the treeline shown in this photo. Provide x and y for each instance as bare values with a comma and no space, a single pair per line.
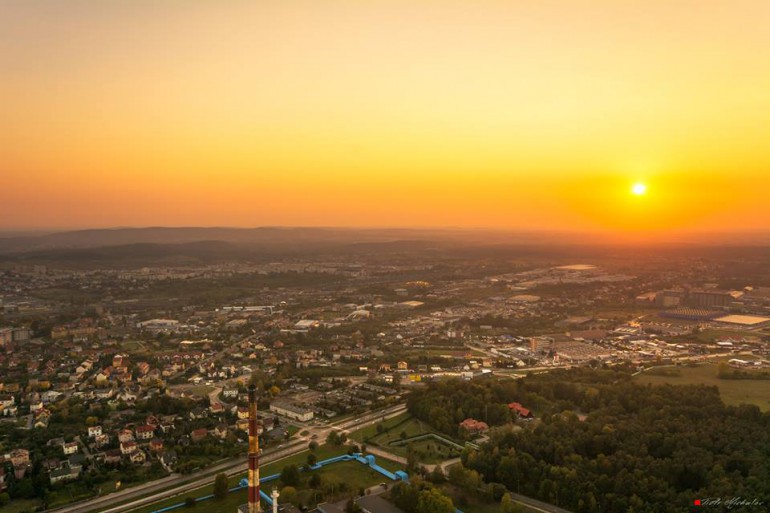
639,449
445,404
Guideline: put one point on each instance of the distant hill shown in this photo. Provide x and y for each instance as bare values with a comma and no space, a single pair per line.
266,236
134,247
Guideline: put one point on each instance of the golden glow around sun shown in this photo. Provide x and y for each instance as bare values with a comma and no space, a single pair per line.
639,189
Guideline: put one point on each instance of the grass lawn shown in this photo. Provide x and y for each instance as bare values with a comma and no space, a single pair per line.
732,391
429,451
355,474
132,345
405,423
388,464
371,431
201,390
20,506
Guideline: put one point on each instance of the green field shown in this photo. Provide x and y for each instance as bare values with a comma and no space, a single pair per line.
733,391
712,335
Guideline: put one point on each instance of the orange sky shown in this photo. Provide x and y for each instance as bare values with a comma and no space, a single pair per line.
508,114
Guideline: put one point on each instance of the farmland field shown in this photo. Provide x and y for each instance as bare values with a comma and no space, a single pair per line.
733,391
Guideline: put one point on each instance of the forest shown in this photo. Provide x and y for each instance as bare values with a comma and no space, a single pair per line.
601,443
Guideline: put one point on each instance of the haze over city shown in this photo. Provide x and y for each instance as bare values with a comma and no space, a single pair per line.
513,115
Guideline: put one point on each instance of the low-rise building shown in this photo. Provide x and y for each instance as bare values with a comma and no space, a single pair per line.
291,411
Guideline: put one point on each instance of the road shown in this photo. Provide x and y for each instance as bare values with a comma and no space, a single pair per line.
176,484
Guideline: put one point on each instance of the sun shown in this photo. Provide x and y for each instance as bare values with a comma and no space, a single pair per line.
639,189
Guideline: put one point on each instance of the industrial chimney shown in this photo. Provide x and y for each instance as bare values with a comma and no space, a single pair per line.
274,496
254,505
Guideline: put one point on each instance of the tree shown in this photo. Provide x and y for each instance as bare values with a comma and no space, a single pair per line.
411,458
220,487
352,507
507,505
437,476
313,445
289,494
315,481
190,502
290,475
433,501
333,438
312,459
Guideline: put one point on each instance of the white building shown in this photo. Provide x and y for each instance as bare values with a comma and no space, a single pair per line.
292,411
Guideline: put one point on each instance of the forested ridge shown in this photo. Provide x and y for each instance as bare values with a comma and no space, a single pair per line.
638,448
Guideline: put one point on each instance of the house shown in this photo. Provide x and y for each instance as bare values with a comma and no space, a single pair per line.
243,412
64,474
19,457
6,401
50,464
156,445
94,431
128,447
138,457
70,448
199,434
127,395
221,430
145,432
105,393
125,435
473,426
230,393
169,458
77,460
521,411
50,396
112,457
42,418
101,440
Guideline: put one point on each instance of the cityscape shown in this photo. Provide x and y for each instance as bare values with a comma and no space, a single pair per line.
118,379
308,256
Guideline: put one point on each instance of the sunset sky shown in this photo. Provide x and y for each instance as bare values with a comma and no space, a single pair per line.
476,113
